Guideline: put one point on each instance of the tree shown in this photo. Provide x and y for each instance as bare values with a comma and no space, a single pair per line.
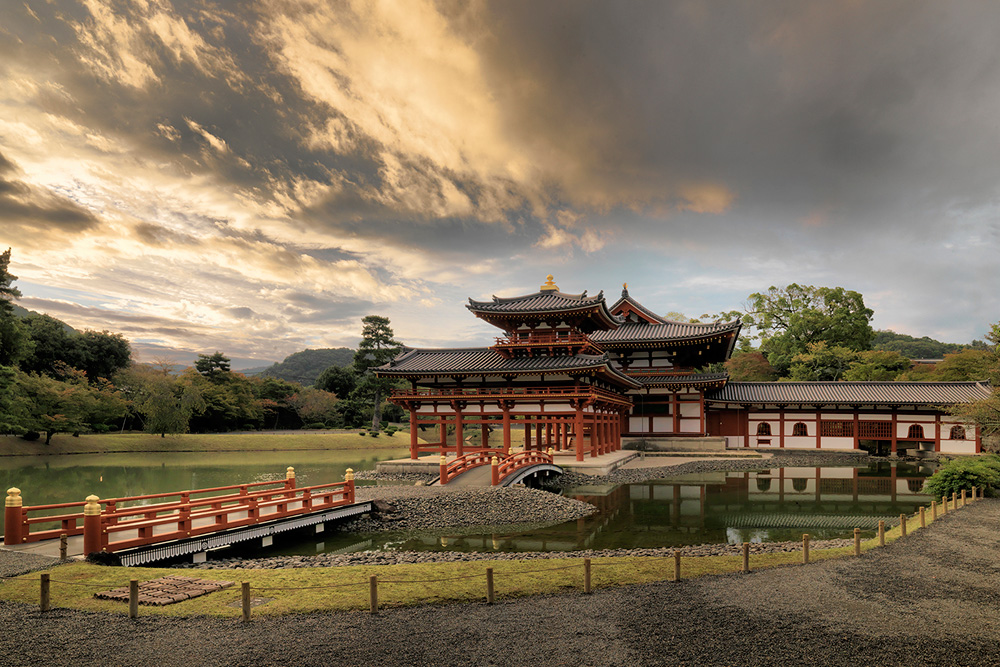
339,380
789,319
750,367
53,343
229,402
15,343
102,354
212,366
7,290
11,402
821,362
877,366
969,365
165,404
377,347
54,406
314,405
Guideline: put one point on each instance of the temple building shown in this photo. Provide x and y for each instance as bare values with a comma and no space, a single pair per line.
577,374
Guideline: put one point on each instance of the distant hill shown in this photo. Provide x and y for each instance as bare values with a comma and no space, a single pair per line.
305,366
22,312
914,348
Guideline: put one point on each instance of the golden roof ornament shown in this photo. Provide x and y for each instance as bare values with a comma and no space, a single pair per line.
549,286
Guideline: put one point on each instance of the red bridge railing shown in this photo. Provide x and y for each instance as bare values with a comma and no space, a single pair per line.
503,464
107,526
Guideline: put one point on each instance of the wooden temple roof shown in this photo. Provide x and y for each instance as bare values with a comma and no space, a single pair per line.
701,380
642,332
852,393
547,302
487,361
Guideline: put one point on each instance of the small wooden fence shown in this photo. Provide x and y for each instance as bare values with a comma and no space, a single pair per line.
503,464
123,523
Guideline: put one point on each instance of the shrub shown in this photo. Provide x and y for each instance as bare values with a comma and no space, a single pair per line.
363,433
99,428
315,426
31,436
957,474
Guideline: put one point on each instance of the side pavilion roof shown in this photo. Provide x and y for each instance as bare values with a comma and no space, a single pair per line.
852,393
487,361
502,310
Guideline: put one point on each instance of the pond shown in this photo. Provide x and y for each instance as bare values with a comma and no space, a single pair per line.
709,508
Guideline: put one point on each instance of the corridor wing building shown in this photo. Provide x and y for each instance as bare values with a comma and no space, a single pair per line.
577,374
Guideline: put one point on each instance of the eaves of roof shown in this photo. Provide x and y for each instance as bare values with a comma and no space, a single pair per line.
851,393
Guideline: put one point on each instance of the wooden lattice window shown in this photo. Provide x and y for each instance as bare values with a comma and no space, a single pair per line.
836,429
916,431
958,433
800,429
763,428
876,430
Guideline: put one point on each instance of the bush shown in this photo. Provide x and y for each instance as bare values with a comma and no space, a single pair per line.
957,474
31,436
363,433
315,426
99,428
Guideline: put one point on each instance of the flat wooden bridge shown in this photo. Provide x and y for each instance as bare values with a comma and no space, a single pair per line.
144,529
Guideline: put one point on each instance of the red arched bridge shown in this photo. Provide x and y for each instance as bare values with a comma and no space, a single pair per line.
144,529
494,468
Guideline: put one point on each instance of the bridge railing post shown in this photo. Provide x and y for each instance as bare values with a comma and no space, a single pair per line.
443,470
13,522
495,471
289,477
349,486
92,526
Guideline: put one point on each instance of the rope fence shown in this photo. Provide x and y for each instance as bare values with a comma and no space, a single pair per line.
373,583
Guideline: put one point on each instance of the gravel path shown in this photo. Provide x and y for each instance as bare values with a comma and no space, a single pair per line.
928,599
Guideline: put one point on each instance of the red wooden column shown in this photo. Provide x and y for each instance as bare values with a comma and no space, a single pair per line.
701,406
538,435
505,406
459,431
578,430
443,428
414,446
527,435
937,433
893,446
781,428
485,434
857,429
548,432
819,420
979,441
595,434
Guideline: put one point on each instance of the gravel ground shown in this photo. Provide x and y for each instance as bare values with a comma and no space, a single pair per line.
928,599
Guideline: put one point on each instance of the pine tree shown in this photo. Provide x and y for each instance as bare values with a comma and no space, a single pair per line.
377,347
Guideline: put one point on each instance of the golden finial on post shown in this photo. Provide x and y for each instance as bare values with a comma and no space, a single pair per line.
13,497
289,472
93,506
443,460
349,475
495,461
549,286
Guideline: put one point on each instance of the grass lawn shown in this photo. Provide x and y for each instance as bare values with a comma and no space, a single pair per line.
64,443
305,590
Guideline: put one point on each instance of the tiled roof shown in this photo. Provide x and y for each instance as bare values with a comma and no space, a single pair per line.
537,302
853,393
626,299
680,380
643,332
487,361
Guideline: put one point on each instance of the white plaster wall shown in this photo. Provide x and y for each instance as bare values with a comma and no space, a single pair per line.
836,443
662,424
691,425
637,424
690,410
958,446
800,442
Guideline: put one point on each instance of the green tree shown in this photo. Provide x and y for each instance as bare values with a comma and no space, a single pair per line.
53,343
229,402
163,402
314,405
969,365
11,402
54,406
789,319
877,366
213,366
339,380
821,362
750,367
15,343
377,347
102,354
273,394
7,290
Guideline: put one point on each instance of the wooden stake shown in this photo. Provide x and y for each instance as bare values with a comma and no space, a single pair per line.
857,541
677,566
944,504
933,510
586,575
881,533
489,585
133,598
746,557
902,524
805,548
373,593
963,498
44,599
923,518
63,546
246,601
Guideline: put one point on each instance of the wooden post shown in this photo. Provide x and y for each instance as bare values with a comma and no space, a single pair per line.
133,598
881,533
373,593
857,541
43,598
923,518
677,566
245,598
586,575
746,557
944,504
963,498
443,470
92,527
805,548
414,445
63,546
289,477
902,524
495,472
489,585
12,527
973,494
349,485
933,510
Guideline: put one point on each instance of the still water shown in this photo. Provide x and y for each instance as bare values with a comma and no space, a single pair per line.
773,505
709,508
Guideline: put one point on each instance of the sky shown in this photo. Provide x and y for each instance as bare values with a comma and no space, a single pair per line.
256,177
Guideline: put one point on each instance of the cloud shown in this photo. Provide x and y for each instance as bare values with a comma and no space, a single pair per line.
27,210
